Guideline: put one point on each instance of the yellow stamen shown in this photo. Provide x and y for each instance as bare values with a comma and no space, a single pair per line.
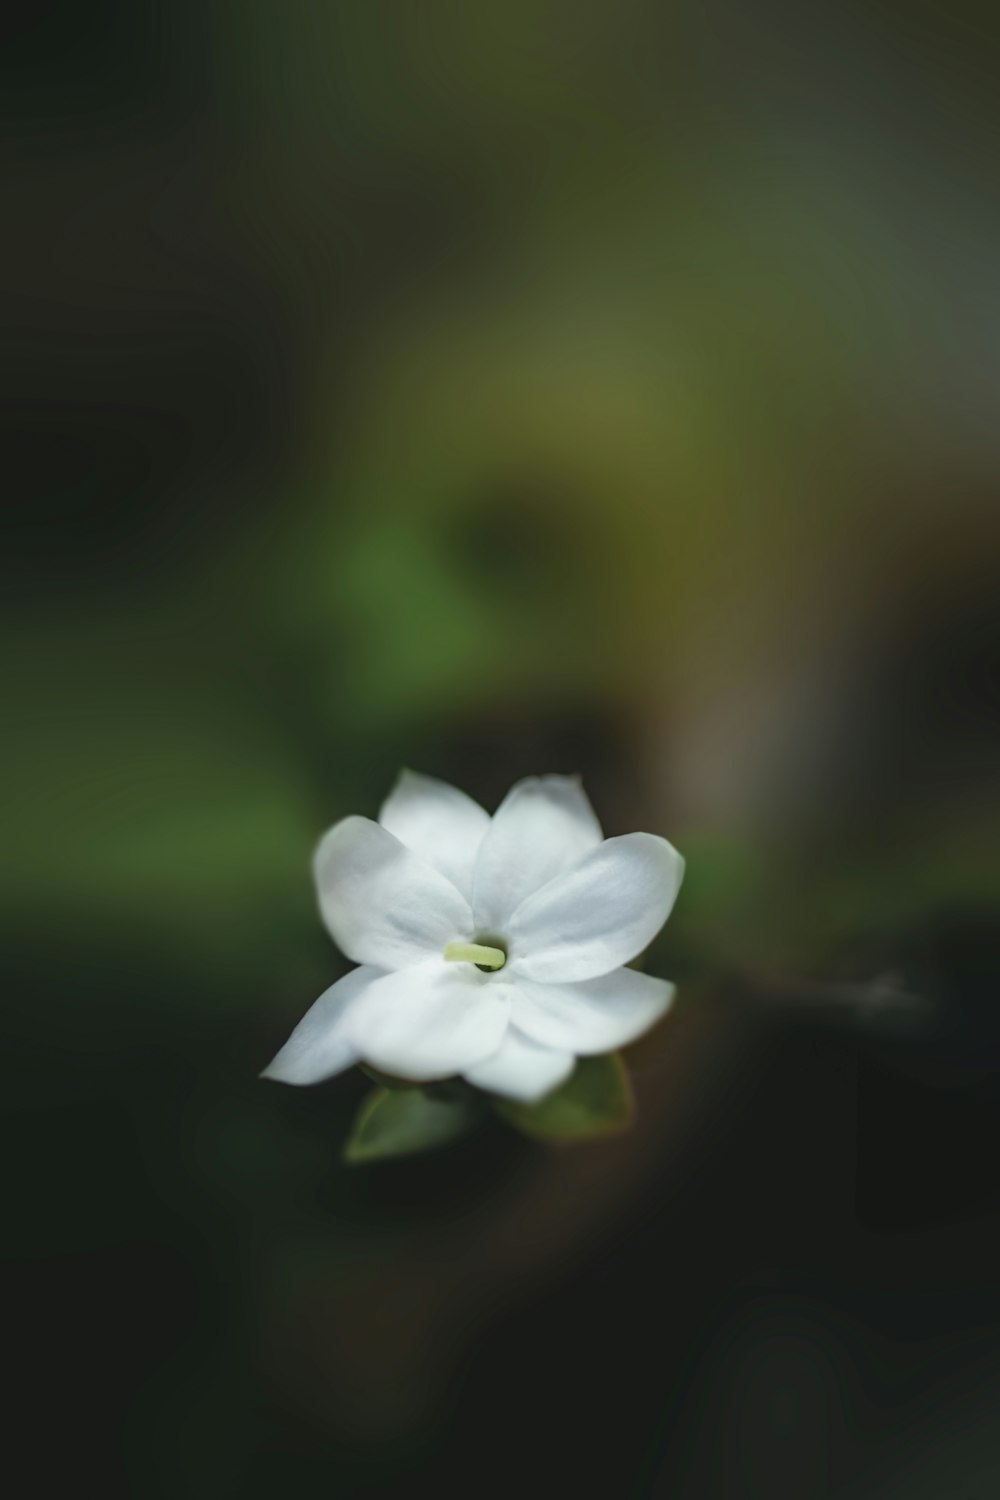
476,953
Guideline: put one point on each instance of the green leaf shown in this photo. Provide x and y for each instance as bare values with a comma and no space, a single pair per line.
595,1101
401,1122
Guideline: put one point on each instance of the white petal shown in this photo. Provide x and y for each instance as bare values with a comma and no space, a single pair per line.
439,823
320,1045
540,829
382,904
430,1021
521,1069
592,1015
599,914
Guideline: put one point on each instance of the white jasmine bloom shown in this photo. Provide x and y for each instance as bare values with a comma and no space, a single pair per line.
492,948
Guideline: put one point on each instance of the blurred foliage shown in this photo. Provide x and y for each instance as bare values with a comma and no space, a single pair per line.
496,403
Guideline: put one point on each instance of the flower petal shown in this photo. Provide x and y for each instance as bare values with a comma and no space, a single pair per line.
382,904
439,823
597,915
541,828
320,1045
521,1069
592,1015
430,1021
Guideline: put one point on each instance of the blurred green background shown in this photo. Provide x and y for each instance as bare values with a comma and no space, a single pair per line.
498,390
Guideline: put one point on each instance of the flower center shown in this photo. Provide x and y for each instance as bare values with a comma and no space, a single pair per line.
482,955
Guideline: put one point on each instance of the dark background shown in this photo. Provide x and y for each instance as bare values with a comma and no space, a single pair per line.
497,390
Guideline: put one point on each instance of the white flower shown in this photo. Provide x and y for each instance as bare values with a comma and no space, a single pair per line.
488,947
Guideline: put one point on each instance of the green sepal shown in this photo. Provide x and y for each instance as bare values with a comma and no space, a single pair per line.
385,1080
404,1121
595,1101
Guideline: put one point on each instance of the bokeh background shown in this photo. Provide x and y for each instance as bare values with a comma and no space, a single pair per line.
497,389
